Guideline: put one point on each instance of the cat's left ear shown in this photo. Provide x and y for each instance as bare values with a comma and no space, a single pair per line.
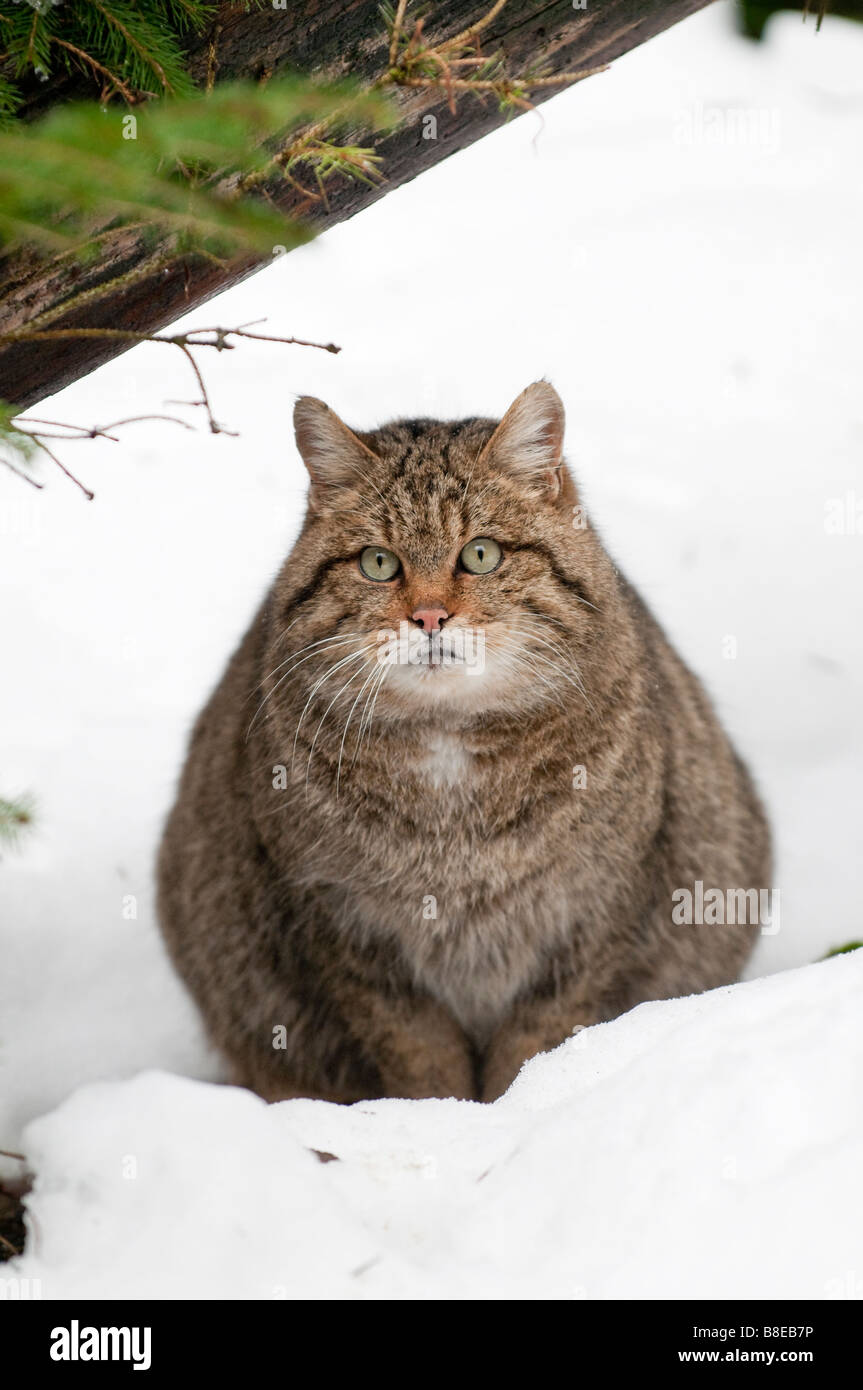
528,443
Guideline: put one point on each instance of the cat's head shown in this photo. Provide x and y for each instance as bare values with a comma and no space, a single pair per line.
452,556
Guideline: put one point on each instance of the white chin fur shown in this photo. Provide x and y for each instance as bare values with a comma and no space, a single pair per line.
454,669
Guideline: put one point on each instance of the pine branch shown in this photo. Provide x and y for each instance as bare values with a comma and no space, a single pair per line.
65,177
135,44
15,817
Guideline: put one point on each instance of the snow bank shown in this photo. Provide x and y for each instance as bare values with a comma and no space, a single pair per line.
678,251
683,295
708,1147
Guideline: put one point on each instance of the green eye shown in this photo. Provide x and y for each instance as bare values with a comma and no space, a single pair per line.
481,556
379,564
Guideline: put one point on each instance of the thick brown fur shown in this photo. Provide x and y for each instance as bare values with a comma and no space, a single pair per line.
412,900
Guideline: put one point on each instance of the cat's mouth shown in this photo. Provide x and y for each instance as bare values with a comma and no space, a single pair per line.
459,649
473,669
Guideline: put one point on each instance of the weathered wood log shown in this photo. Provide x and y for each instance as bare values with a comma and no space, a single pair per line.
335,38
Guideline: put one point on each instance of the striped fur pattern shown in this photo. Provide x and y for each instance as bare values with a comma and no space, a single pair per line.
404,879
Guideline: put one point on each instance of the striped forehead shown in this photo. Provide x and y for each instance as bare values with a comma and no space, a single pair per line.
427,487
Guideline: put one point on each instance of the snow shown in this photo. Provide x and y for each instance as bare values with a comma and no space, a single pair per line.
708,1147
677,249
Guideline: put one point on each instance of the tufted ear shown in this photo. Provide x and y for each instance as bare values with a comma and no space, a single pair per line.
331,452
528,443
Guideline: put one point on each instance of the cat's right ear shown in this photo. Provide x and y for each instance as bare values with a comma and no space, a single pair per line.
332,453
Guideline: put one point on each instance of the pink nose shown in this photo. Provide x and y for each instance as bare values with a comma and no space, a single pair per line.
430,619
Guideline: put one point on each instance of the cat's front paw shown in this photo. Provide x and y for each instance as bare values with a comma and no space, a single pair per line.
512,1047
503,1062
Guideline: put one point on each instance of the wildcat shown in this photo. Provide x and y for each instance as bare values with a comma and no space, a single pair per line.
393,869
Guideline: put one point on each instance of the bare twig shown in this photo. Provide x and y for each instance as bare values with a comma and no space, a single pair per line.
54,425
32,481
215,427
88,431
131,39
135,420
467,34
506,87
83,434
189,339
265,338
71,476
117,82
213,58
209,337
410,67
397,31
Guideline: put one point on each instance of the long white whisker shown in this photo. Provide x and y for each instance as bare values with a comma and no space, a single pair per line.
369,711
283,634
385,672
322,642
329,641
567,659
338,693
516,659
352,656
574,680
359,696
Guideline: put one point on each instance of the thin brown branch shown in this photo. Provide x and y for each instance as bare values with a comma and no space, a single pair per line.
215,427
32,481
136,419
221,334
564,77
505,87
210,337
213,59
91,431
69,438
71,476
24,335
39,435
54,425
462,51
467,34
397,31
130,39
118,82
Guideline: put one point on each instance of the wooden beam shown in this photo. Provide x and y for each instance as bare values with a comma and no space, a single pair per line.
332,37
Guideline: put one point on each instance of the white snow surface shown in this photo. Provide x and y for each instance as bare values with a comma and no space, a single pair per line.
677,248
710,1147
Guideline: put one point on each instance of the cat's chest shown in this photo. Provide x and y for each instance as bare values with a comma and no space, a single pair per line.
444,762
457,859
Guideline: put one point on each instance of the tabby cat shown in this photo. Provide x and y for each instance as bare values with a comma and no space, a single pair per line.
433,816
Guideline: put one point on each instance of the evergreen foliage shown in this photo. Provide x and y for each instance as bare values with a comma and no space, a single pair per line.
131,48
82,167
15,816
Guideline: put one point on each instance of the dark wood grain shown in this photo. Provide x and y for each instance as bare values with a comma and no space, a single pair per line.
336,37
